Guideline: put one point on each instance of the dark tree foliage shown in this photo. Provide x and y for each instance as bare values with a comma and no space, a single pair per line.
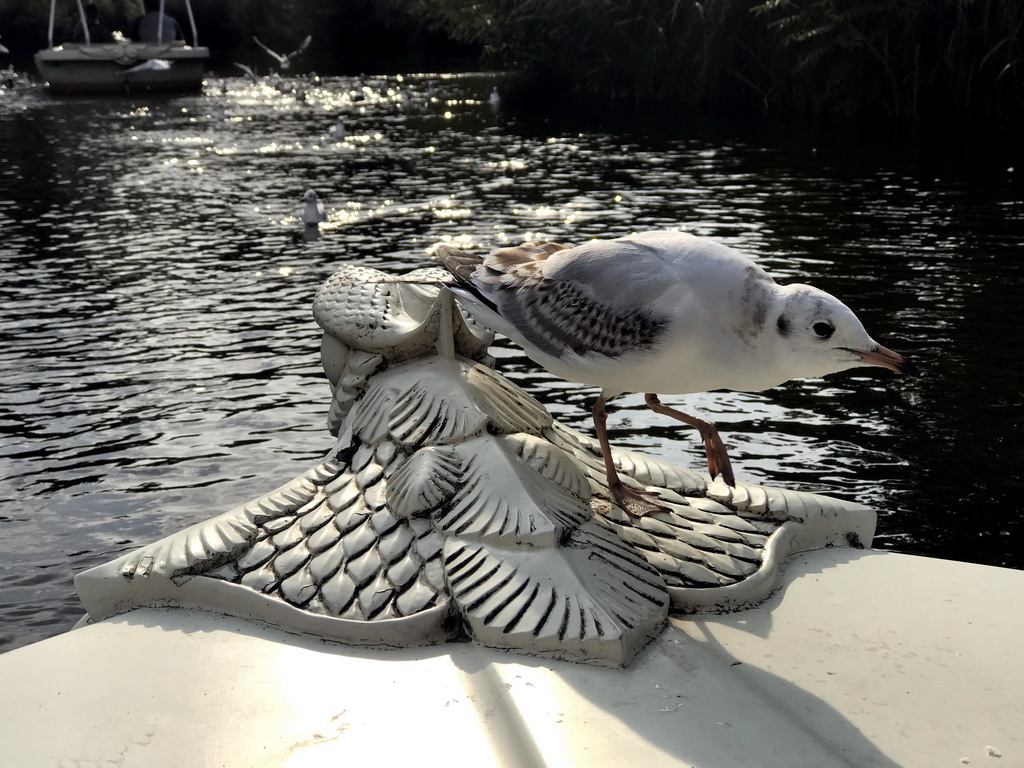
904,59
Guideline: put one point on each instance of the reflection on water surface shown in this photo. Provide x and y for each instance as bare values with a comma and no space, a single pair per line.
160,363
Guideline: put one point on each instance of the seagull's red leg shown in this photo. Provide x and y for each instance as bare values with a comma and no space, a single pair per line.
636,503
718,458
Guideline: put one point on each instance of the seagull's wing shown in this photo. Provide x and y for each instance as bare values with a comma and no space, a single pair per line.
560,315
248,72
302,46
280,59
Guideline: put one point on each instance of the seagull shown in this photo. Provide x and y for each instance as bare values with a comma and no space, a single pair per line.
313,212
660,312
150,65
410,102
285,61
248,72
337,131
495,99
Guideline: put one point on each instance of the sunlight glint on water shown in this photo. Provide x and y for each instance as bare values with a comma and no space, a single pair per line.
160,362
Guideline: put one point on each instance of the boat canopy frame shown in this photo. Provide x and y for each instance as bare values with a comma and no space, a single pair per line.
142,8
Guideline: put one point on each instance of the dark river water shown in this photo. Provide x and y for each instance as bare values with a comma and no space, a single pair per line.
159,362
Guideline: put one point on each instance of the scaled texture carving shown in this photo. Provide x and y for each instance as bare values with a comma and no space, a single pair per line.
454,505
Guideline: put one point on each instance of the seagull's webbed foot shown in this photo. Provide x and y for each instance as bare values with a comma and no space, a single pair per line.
718,457
634,502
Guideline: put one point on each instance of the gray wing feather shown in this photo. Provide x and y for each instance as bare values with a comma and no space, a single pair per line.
459,263
558,317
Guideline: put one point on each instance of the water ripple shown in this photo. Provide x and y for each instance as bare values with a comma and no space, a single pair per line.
160,364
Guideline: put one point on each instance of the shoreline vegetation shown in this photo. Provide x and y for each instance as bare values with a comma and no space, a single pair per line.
900,60
896,61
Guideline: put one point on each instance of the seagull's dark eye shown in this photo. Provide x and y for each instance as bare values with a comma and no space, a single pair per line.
823,330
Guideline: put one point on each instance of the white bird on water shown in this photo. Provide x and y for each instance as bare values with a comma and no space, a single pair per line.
660,312
285,60
337,131
150,65
313,210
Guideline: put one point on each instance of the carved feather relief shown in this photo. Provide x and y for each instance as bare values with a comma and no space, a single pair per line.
454,505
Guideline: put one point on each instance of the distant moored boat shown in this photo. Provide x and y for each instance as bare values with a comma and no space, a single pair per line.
91,66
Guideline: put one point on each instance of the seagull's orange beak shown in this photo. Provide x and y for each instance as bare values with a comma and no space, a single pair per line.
884,357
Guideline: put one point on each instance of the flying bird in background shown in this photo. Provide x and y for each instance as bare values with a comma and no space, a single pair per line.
285,61
253,77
